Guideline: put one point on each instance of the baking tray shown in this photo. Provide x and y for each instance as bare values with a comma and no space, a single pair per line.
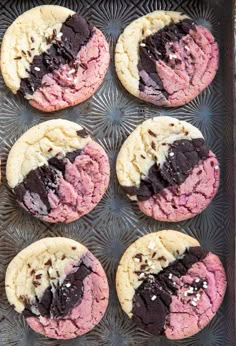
110,115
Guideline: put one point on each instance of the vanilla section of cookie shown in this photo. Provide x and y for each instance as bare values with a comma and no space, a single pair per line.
165,58
167,167
164,277
58,173
58,286
53,57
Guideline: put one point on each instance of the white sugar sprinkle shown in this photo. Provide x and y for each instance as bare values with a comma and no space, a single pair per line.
186,47
71,71
172,56
141,275
171,154
151,245
59,35
174,283
170,275
68,284
154,297
198,295
136,260
190,289
216,168
186,293
142,44
197,280
193,303
37,68
69,78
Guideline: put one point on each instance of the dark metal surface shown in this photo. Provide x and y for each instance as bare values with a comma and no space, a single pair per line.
111,114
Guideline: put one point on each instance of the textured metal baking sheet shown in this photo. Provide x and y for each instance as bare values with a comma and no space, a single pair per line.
111,114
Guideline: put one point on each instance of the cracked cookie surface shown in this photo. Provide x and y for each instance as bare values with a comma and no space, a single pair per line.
164,277
59,287
165,58
167,167
58,173
53,57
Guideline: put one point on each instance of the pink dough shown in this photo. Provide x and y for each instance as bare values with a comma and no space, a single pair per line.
182,202
61,88
186,319
78,192
83,317
197,57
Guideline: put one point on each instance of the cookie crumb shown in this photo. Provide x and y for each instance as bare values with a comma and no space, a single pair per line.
151,133
162,258
38,276
48,263
153,145
82,133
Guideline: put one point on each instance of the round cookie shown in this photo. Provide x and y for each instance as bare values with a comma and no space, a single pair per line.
167,167
58,173
53,57
165,58
58,286
164,277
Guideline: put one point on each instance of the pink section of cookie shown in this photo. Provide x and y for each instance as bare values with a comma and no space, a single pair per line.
67,86
83,317
189,72
190,313
85,182
188,199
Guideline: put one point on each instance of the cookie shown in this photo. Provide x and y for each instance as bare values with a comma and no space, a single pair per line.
58,173
53,57
165,58
167,167
164,277
58,286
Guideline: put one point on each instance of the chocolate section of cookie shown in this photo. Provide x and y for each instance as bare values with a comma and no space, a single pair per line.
75,33
153,48
44,178
152,298
183,156
58,300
